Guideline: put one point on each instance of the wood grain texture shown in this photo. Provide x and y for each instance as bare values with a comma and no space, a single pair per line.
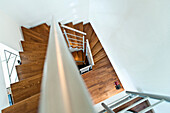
101,54
94,40
78,56
32,46
32,36
96,48
29,105
26,88
100,81
87,28
26,92
137,108
28,70
32,56
43,29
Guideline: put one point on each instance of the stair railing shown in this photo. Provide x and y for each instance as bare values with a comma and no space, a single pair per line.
133,95
10,68
63,89
80,44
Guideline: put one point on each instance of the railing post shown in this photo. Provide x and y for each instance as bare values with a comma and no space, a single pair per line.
67,38
83,43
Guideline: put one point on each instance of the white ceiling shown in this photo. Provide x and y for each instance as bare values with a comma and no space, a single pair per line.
32,12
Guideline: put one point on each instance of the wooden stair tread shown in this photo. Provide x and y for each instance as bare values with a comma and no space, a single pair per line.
101,54
101,84
33,36
29,105
78,56
32,56
96,48
26,88
28,70
32,46
94,40
43,29
101,63
87,28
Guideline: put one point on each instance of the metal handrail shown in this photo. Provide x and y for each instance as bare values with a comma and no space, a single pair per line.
72,29
153,96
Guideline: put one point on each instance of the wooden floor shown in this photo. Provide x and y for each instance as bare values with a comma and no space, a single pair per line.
100,81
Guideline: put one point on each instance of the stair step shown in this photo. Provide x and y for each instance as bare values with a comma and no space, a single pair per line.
87,28
101,63
96,48
101,54
29,105
94,40
28,70
32,46
26,88
32,56
78,56
43,29
33,36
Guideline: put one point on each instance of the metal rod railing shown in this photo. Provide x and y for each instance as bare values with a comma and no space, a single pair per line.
74,35
72,29
159,97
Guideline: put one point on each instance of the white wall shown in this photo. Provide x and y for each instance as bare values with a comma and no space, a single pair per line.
3,92
136,37
10,34
32,12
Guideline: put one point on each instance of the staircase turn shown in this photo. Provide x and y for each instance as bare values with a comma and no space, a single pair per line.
26,92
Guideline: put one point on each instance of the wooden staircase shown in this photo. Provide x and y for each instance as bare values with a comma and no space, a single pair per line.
26,92
99,81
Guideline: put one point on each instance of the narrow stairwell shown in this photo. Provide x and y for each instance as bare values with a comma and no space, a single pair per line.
75,42
102,81
26,92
